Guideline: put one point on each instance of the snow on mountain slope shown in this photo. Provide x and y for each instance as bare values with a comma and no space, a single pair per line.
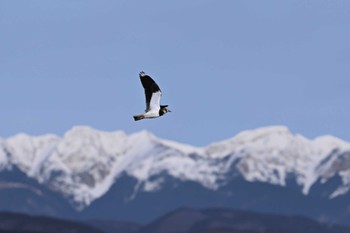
269,154
3,158
29,153
85,163
338,162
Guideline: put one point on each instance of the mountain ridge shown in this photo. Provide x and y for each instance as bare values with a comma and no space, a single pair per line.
81,148
85,163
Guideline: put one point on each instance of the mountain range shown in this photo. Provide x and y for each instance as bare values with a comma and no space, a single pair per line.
111,175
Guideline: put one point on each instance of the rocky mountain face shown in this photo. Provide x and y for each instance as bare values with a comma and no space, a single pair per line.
112,174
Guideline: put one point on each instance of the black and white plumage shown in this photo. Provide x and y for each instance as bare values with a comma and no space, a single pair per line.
153,94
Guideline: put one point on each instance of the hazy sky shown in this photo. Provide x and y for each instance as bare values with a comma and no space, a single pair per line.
224,66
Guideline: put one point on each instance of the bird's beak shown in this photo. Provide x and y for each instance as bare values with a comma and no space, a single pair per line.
169,110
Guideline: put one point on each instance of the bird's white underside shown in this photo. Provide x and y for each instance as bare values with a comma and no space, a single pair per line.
151,114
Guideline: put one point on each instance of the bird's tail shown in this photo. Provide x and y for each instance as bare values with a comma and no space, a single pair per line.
139,117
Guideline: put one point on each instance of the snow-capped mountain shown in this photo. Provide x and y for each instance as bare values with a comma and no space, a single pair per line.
95,171
85,163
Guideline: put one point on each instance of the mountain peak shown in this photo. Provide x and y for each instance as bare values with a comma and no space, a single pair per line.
278,129
143,135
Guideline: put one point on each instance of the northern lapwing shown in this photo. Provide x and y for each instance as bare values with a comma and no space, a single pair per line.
153,94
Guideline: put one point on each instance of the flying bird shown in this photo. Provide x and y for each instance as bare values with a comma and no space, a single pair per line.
153,94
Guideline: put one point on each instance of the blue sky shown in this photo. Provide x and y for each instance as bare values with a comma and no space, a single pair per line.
224,66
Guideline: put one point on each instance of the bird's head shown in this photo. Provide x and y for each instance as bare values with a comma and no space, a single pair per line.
164,109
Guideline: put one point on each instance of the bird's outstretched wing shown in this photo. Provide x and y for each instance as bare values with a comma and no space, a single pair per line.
152,92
